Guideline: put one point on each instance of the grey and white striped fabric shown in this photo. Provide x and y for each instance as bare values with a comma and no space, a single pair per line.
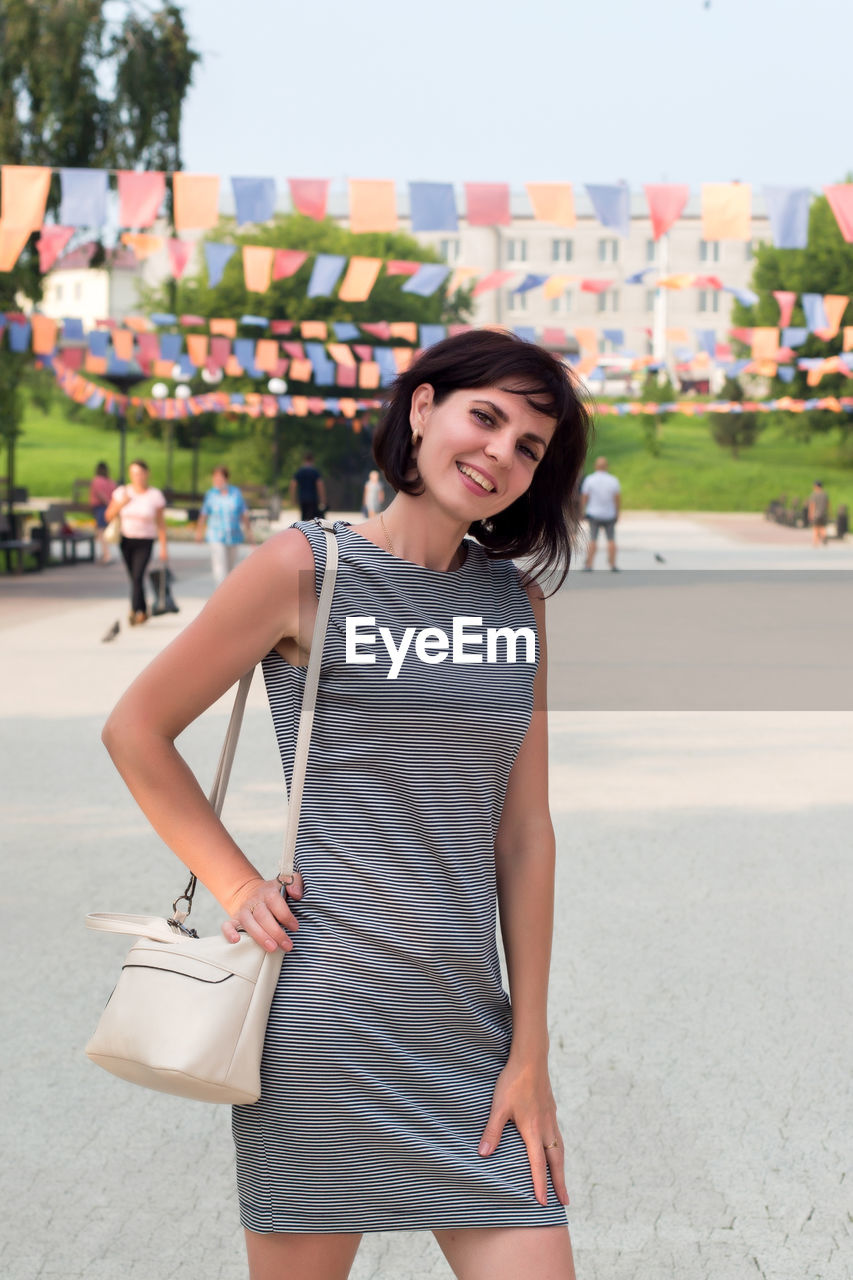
390,1026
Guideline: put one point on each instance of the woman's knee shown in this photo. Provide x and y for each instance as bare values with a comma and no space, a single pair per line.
287,1255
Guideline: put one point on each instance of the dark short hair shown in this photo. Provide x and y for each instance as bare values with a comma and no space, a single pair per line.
102,469
542,523
223,471
139,462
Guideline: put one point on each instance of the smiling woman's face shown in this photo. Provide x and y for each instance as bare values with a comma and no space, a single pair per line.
138,476
479,449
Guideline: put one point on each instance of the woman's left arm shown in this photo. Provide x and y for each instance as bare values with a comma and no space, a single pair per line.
525,852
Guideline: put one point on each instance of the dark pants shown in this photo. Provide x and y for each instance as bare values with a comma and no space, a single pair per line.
137,553
310,509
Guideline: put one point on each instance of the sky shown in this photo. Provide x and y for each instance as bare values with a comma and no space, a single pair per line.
521,90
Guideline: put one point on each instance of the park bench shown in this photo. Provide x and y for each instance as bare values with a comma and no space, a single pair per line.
57,530
15,549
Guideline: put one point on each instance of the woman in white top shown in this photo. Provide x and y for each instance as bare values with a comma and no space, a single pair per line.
373,496
140,510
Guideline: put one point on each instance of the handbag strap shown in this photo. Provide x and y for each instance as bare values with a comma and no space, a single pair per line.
303,739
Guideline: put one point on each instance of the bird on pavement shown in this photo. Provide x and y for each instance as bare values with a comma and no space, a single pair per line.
111,633
659,559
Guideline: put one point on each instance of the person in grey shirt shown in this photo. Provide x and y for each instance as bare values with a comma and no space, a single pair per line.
818,514
601,502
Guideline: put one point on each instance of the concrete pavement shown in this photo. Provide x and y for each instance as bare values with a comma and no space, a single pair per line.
700,1000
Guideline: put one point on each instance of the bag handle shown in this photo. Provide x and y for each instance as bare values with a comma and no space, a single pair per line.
226,759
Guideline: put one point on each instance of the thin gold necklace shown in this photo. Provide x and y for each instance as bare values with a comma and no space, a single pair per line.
387,534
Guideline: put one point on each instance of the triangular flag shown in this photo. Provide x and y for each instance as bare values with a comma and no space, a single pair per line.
216,257
487,204
23,196
552,202
726,210
788,211
841,203
612,205
179,256
142,243
140,196
765,343
666,204
786,299
50,244
309,196
196,201
254,199
372,206
123,344
325,274
257,267
287,262
12,241
493,280
556,285
834,304
359,279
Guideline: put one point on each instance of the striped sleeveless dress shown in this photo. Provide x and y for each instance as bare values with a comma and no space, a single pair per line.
389,1025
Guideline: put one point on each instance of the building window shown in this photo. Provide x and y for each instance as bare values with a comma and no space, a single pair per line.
515,250
651,295
449,249
78,291
709,251
516,301
562,303
650,250
609,300
57,293
608,249
562,250
709,300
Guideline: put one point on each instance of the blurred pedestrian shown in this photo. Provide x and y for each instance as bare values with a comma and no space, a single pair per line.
101,491
308,484
224,523
818,510
373,496
601,496
140,510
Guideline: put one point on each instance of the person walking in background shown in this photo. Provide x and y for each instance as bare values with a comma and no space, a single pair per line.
601,498
101,490
140,509
373,496
818,513
224,523
308,484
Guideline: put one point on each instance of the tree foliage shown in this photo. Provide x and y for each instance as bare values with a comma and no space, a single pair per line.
734,431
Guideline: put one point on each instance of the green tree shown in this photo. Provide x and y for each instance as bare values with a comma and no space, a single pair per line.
734,431
655,390
824,266
80,91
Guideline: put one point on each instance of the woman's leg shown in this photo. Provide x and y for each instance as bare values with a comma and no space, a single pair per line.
139,563
505,1253
294,1256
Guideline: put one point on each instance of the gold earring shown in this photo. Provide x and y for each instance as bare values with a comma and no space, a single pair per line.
416,435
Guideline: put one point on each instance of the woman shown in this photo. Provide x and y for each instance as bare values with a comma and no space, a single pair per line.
400,1089
101,490
140,509
373,496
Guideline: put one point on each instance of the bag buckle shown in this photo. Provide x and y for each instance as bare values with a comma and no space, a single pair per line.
174,923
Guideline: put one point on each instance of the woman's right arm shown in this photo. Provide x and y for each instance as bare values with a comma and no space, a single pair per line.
269,596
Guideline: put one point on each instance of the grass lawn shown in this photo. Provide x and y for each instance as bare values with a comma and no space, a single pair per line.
692,473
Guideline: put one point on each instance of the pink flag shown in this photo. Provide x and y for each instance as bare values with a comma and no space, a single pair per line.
179,256
596,286
666,205
50,244
396,267
493,280
287,262
786,299
841,203
310,196
140,196
381,330
220,350
487,204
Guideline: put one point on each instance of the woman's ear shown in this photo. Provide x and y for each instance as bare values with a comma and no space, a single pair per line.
422,400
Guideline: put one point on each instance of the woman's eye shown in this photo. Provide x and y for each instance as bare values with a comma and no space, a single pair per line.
483,417
531,453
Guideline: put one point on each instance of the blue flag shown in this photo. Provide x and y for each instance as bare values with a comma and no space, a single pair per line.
616,336
788,211
815,311
432,333
426,280
19,336
529,282
325,274
244,350
525,332
612,206
794,337
433,206
72,329
256,322
162,317
325,370
706,340
84,197
217,256
99,341
254,199
171,346
786,373
384,357
345,331
745,296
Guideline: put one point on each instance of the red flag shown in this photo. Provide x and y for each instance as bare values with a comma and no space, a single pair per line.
397,267
50,244
786,299
281,326
841,203
381,330
287,262
140,196
179,256
487,204
666,205
220,350
309,196
493,280
596,286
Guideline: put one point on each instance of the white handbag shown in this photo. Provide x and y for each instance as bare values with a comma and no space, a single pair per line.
188,1015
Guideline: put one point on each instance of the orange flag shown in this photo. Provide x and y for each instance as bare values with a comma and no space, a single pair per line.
587,340
835,304
139,324
233,367
44,334
556,286
314,329
299,404
123,344
224,327
552,202
372,206
359,279
197,345
726,210
403,357
95,364
765,343
196,201
368,375
678,335
405,329
347,407
847,344
300,371
23,196
461,276
12,241
341,353
257,267
683,280
266,354
142,244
